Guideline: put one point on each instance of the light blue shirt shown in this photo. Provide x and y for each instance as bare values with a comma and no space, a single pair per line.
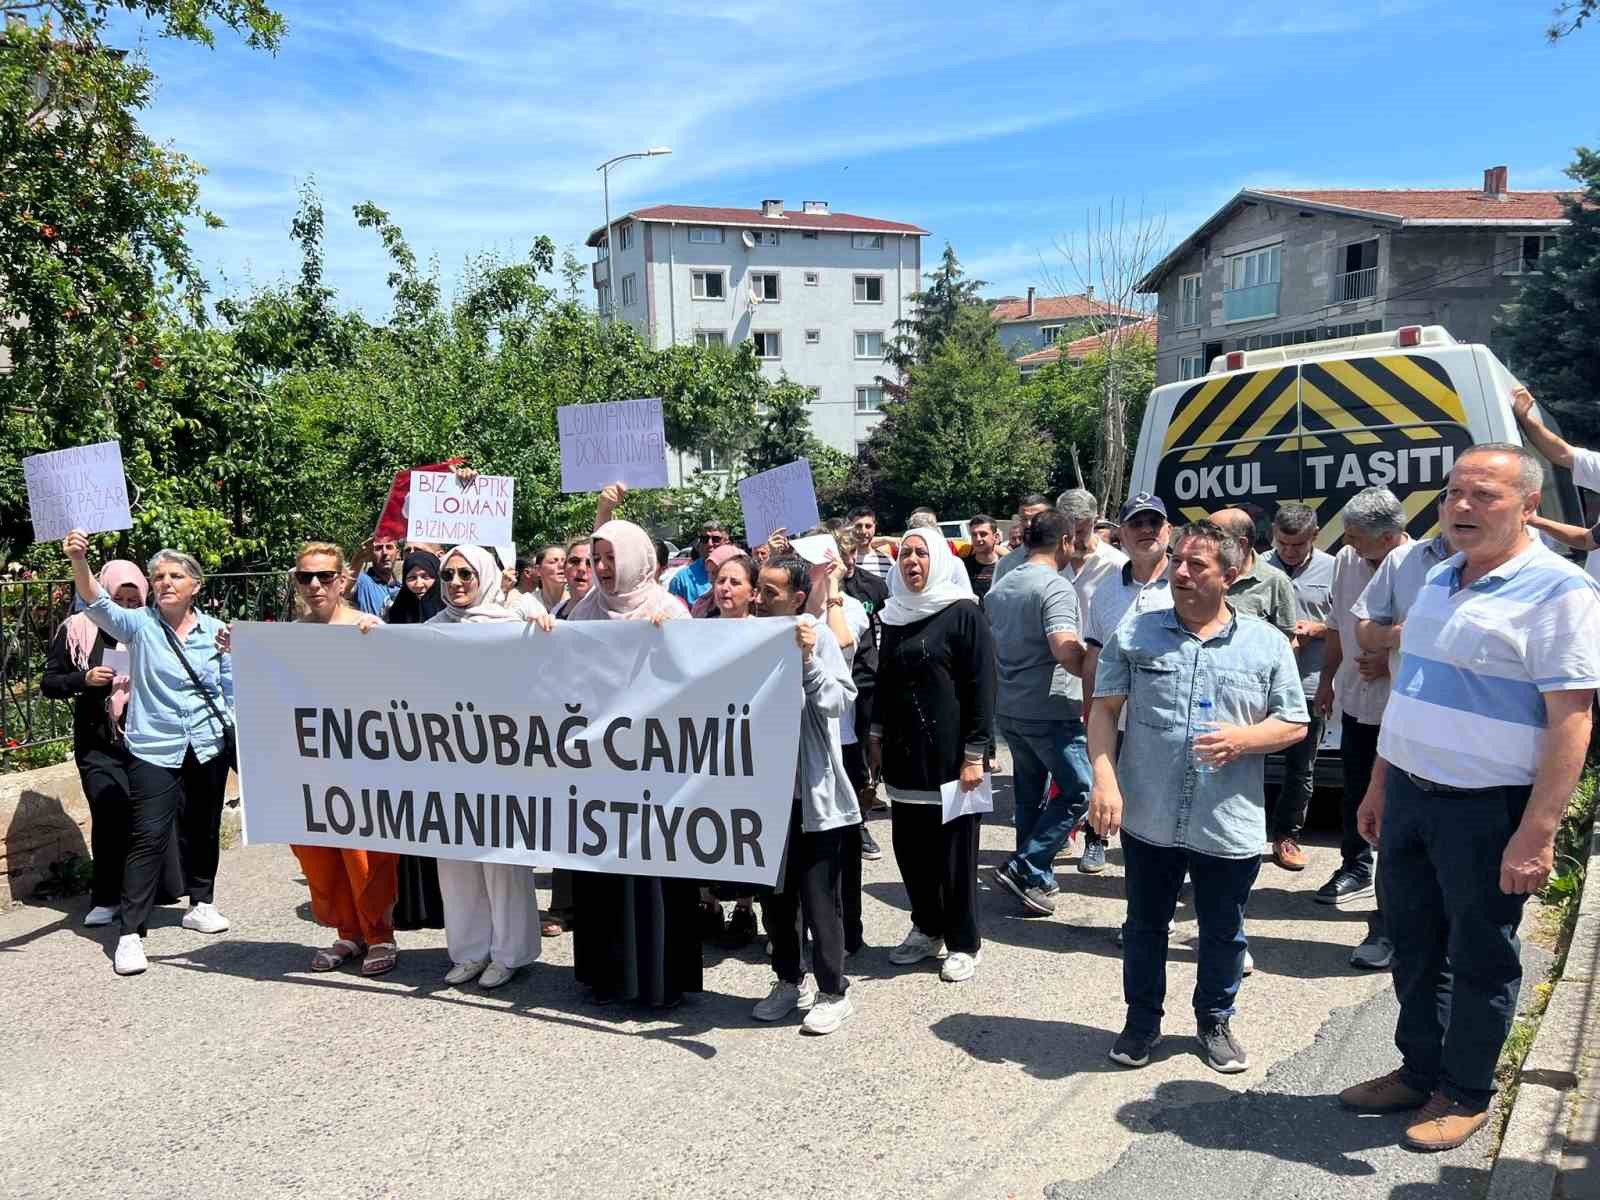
373,597
166,715
692,582
1248,672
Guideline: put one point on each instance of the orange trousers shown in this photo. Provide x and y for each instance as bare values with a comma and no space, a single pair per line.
352,891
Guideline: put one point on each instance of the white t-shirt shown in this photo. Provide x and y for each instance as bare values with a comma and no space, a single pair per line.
1586,474
860,626
1101,563
1362,699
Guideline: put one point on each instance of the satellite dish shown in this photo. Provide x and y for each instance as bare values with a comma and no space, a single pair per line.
749,240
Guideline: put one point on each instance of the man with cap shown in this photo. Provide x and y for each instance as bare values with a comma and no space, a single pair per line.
1141,585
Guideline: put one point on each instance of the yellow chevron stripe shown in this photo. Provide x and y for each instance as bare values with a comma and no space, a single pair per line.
1241,401
1264,422
1332,531
1194,514
1417,501
1381,402
1301,441
1192,412
1445,399
1319,403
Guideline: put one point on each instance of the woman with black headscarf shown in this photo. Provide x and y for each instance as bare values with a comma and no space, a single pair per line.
419,597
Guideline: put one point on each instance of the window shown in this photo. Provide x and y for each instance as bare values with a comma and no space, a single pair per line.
706,338
1051,333
1523,254
603,297
1357,277
869,399
1250,290
630,290
624,239
869,289
809,235
765,237
713,459
861,446
811,279
1191,366
768,344
764,285
708,285
711,235
1188,301
813,337
869,345
816,394
867,241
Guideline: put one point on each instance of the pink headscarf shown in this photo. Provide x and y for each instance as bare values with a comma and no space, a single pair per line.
637,595
714,561
82,632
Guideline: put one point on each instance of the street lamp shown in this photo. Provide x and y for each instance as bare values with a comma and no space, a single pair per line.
605,183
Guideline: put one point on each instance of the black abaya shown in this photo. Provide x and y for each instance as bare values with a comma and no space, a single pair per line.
636,937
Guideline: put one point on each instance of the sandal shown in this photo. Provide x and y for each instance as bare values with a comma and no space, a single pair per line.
381,958
551,927
336,955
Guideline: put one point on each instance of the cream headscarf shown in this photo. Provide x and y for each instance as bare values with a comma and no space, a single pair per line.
636,595
905,606
485,604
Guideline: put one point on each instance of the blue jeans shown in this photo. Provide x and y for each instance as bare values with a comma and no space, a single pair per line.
1040,750
1457,959
1221,888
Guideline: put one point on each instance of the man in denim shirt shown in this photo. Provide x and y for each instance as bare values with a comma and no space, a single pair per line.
1195,802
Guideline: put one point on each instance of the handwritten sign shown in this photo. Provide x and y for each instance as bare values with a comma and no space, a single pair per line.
602,444
439,509
81,488
782,498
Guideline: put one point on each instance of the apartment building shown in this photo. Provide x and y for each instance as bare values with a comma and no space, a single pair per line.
817,292
1027,324
1278,267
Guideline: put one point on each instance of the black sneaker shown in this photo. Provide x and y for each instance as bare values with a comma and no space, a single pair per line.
1133,1050
1093,859
710,920
740,930
1345,886
870,850
1033,899
1222,1049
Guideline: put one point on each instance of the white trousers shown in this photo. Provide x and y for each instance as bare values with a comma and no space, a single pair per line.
490,911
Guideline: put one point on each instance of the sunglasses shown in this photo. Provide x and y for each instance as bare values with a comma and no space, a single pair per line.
304,578
451,574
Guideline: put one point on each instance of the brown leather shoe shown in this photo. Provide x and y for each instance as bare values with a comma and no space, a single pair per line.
1443,1124
1385,1094
1287,854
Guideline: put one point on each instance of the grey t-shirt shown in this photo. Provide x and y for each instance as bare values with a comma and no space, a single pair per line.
1024,608
1313,601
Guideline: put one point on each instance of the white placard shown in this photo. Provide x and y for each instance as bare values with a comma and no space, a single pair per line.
81,488
601,746
960,804
440,509
621,442
118,660
816,548
782,498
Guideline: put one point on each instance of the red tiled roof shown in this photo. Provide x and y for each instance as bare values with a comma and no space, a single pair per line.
1046,308
1085,346
695,214
1426,204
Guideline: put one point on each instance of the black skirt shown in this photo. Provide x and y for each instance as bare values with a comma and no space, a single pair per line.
418,904
636,937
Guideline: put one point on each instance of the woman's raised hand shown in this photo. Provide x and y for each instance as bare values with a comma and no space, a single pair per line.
76,546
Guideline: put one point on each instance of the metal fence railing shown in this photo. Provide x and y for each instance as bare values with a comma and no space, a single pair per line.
32,609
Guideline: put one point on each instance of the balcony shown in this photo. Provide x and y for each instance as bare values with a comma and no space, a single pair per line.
1250,303
1355,285
602,273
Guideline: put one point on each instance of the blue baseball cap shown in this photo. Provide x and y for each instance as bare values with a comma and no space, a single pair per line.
1144,502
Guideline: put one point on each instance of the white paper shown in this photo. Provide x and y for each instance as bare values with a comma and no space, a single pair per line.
621,442
81,488
118,661
816,548
439,509
960,804
782,498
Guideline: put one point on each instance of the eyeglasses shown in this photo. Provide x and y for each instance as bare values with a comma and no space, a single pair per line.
304,578
714,539
451,574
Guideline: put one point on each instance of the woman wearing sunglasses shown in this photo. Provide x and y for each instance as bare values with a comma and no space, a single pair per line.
491,911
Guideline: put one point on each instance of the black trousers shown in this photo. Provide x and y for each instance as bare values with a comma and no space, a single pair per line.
939,864
810,894
1358,751
1288,816
183,801
104,776
855,932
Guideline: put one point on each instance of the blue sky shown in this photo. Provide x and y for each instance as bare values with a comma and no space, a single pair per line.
478,123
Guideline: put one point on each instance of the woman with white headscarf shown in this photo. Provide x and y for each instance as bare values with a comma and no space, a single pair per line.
936,678
636,937
491,911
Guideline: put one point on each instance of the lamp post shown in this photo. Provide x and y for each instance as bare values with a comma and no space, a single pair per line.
605,184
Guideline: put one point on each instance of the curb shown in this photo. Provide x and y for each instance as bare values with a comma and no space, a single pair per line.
1529,1161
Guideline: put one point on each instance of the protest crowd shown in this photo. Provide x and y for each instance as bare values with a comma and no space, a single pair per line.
1138,671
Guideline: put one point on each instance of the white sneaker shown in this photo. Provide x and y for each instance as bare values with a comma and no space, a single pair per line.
101,914
784,998
1249,964
204,918
494,975
827,1014
959,967
130,958
916,947
462,972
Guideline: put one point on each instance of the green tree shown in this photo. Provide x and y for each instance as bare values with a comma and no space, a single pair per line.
938,311
1070,399
1552,333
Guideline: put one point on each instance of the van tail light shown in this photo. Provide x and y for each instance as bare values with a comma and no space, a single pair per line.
1234,361
1409,335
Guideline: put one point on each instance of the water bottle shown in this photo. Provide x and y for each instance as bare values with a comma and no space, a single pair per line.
1205,722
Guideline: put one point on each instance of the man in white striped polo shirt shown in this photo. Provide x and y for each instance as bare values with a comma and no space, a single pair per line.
1481,746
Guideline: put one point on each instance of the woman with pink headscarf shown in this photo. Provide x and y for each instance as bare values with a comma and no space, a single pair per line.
636,937
74,670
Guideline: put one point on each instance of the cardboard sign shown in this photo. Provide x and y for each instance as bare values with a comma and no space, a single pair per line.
816,548
782,498
81,488
602,444
439,509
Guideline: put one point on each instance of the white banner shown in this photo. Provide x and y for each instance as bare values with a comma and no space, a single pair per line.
602,746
